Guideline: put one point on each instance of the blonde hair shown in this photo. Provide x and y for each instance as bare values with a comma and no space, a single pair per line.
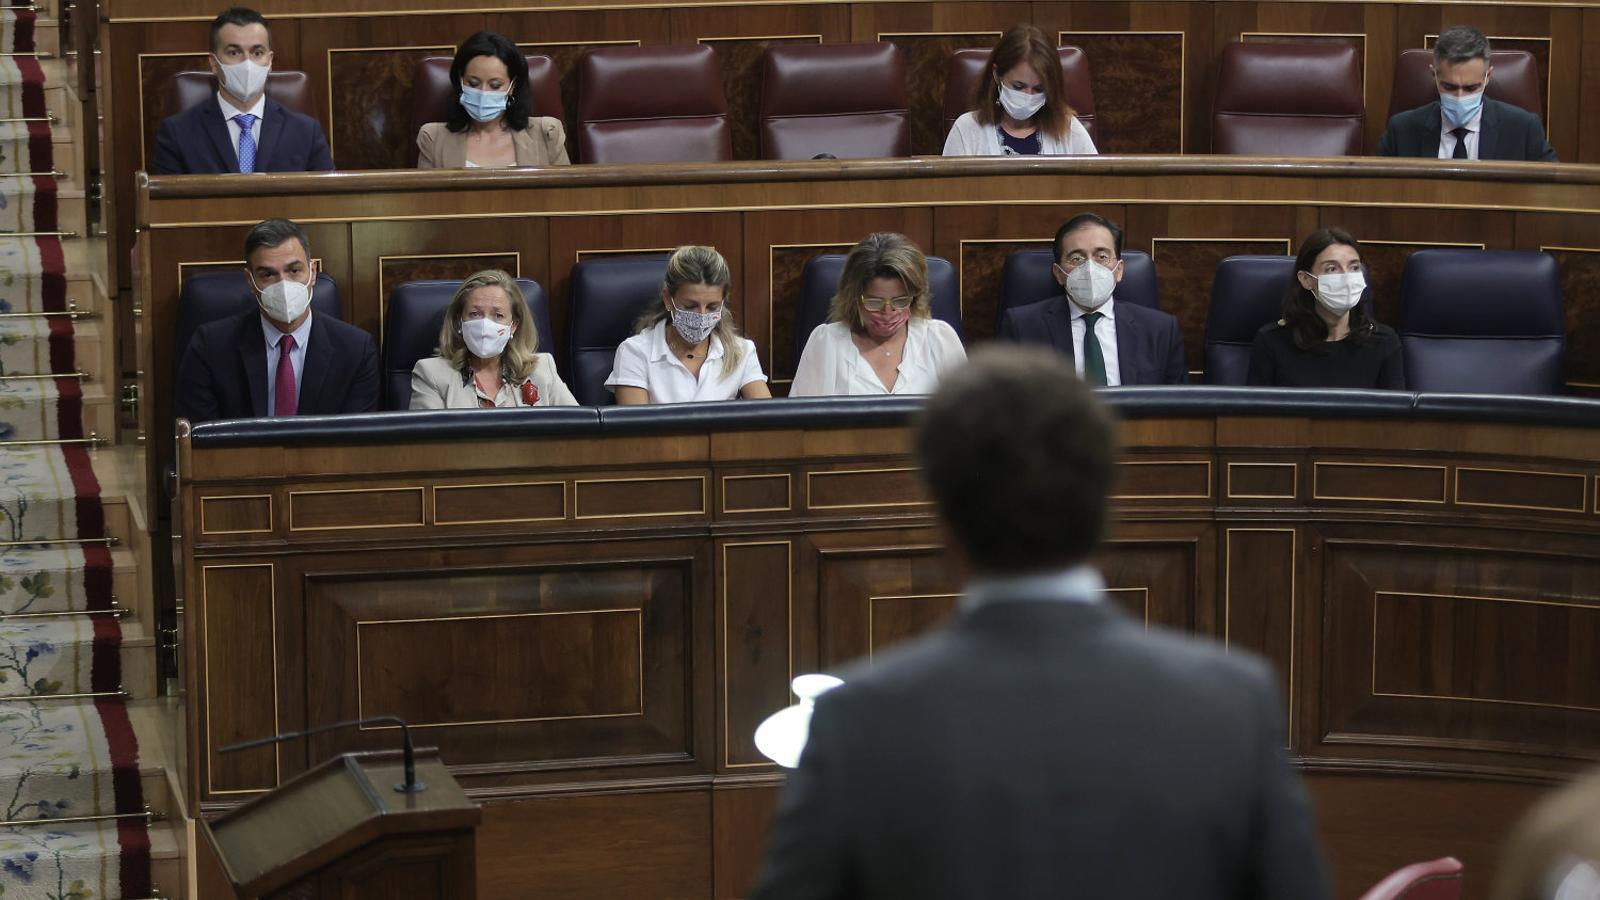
690,265
1561,833
517,361
881,255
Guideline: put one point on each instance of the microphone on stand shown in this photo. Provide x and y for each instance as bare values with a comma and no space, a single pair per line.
408,752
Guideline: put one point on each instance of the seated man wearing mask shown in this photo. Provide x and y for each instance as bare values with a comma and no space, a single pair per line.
1463,123
1130,344
240,128
277,359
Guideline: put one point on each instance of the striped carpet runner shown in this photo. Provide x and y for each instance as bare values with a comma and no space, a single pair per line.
69,761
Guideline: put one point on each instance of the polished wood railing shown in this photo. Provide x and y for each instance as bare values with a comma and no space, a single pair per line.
589,611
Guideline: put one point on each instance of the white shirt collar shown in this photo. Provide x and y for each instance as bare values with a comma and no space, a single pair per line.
274,336
1107,309
659,349
1079,584
257,109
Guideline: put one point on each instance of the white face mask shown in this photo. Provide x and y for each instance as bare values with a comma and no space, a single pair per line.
1339,292
1090,285
244,80
1019,105
486,338
692,326
285,300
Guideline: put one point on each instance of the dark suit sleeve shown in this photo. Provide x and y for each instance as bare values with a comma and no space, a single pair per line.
1538,148
363,393
1388,145
166,160
1007,331
1288,861
1177,367
1263,368
320,160
808,845
197,390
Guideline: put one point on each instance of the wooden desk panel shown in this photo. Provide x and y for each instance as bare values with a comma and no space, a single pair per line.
565,666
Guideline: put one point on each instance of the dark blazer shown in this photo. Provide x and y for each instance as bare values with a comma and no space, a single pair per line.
1047,749
196,142
224,370
1506,132
1149,342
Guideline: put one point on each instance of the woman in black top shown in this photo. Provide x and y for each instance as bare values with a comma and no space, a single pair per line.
1324,338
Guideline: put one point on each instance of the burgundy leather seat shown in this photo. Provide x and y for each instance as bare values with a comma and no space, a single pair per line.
431,93
848,100
967,67
1515,80
185,89
1437,879
652,104
1289,100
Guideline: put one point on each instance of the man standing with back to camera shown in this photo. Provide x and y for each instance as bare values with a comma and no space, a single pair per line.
1043,743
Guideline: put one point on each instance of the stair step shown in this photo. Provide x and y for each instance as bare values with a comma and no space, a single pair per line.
35,346
49,657
31,411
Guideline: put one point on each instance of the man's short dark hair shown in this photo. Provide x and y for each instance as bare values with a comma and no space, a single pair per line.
273,233
237,15
1460,43
1018,454
1083,220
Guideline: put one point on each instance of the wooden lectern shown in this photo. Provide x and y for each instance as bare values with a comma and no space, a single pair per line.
342,831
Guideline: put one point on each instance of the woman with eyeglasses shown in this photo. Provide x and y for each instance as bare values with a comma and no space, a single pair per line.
880,337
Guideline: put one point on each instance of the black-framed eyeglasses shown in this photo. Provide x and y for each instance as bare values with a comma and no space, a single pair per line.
877,304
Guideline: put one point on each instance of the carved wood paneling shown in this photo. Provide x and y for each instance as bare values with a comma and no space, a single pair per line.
1138,80
1184,271
1261,597
757,598
239,669
912,583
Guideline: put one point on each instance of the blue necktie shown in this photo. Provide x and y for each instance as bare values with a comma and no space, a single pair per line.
247,142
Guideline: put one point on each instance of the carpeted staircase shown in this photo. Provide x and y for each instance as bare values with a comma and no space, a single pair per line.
74,820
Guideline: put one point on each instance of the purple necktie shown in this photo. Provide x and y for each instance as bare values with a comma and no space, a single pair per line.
284,396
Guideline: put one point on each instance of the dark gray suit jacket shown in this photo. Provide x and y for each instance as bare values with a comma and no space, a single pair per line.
1507,132
1035,749
1149,341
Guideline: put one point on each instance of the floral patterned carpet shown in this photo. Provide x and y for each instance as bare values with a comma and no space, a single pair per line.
68,756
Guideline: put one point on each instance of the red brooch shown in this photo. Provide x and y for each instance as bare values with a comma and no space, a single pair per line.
530,394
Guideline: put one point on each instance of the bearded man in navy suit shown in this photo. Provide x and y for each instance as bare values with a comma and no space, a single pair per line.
1130,344
239,128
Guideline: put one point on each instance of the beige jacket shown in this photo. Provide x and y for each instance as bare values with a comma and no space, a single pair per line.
542,143
436,385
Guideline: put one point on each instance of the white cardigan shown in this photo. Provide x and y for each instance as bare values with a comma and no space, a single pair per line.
968,138
831,366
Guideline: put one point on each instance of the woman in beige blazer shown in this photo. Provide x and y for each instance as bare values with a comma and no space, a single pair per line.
491,122
488,353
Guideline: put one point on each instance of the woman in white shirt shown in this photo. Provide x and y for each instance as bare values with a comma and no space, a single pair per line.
689,348
881,337
488,353
1020,107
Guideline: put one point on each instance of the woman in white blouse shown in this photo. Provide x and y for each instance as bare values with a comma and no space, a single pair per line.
488,353
689,348
1020,107
881,337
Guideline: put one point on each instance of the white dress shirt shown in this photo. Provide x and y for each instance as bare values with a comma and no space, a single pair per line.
645,361
257,109
297,359
1105,330
1447,141
1079,584
832,366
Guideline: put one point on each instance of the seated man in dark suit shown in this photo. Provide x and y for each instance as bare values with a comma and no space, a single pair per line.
240,128
1043,743
1132,345
277,359
1464,123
